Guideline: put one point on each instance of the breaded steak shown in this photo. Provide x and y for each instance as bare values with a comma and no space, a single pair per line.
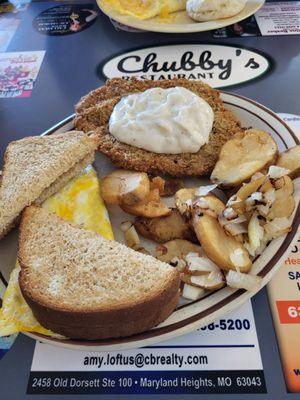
94,110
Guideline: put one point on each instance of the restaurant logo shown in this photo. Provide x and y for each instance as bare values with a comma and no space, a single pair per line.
217,65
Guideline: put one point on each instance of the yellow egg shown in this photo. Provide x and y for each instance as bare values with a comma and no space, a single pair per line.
78,202
144,9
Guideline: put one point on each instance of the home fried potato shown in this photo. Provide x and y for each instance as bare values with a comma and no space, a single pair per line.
221,248
243,156
210,205
211,281
184,199
164,229
248,188
126,187
284,203
177,248
290,159
151,206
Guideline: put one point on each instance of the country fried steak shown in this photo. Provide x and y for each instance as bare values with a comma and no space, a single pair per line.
94,110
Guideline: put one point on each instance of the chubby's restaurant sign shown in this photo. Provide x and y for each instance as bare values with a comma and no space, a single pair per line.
216,64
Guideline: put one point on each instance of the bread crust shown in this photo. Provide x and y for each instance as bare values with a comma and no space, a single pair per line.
94,110
97,321
92,325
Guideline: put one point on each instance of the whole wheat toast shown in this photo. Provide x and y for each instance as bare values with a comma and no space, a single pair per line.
81,285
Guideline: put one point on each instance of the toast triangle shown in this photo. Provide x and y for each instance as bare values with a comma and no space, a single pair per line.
33,164
82,285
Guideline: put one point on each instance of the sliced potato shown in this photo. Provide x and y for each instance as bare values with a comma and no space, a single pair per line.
127,187
243,156
164,229
284,203
176,248
209,204
266,187
184,199
151,207
276,228
211,281
290,159
172,185
251,187
218,246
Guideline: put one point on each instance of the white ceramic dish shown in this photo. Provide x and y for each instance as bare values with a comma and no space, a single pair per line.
180,22
189,315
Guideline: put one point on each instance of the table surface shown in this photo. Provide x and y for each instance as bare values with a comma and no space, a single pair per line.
68,72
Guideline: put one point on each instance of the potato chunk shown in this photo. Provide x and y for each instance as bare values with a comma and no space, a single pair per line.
243,156
284,203
150,207
222,249
176,249
211,281
184,199
164,229
127,187
290,159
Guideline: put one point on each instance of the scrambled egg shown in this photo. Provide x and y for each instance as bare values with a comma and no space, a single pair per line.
144,9
78,202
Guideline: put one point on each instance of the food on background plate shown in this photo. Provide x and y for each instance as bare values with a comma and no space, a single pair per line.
81,285
290,159
95,110
15,314
243,156
145,9
198,10
36,167
208,10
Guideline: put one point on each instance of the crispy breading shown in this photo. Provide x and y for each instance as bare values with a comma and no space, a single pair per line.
118,87
94,110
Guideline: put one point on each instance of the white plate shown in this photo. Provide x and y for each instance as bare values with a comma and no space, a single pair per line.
189,315
180,22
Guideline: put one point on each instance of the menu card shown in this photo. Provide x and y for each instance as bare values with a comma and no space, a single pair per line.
284,295
280,18
223,357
